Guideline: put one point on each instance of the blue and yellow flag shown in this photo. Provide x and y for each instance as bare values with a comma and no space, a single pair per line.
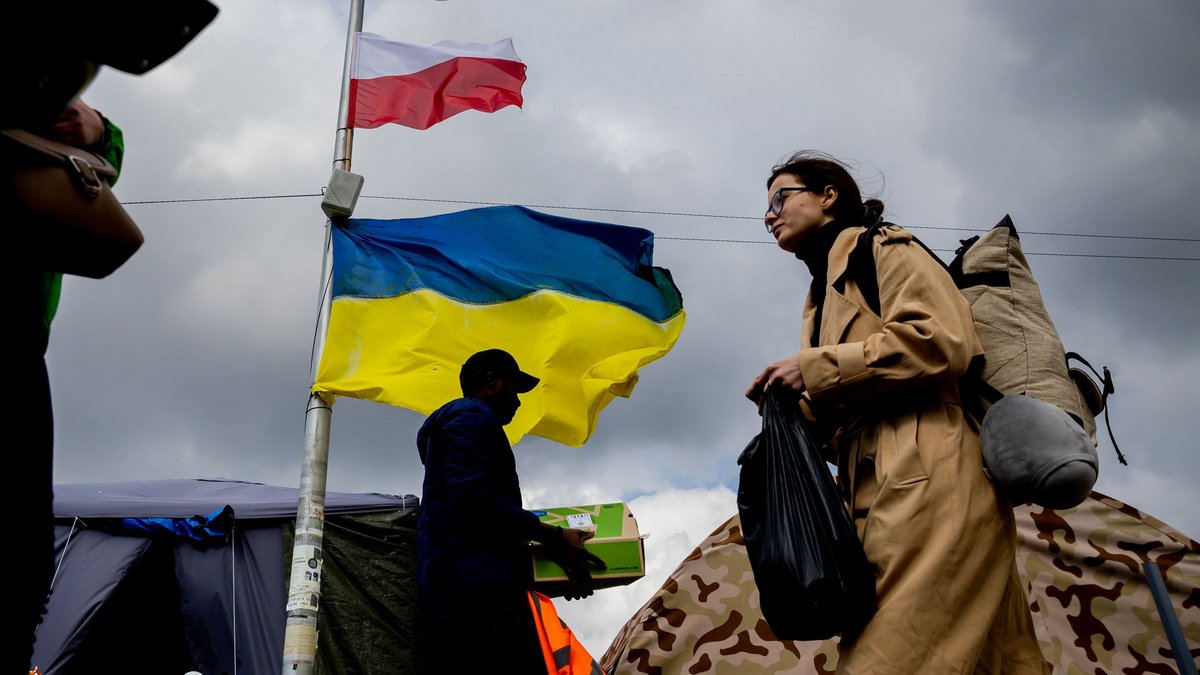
579,304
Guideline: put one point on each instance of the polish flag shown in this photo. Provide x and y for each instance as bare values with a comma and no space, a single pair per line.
420,85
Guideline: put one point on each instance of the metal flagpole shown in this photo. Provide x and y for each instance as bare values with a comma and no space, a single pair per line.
304,586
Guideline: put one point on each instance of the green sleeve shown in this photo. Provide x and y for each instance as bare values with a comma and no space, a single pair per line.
51,290
111,147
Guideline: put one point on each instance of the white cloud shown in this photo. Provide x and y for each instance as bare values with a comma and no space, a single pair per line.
255,148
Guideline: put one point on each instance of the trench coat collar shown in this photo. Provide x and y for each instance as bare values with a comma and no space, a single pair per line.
837,261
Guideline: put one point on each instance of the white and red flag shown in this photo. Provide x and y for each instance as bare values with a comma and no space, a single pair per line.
420,85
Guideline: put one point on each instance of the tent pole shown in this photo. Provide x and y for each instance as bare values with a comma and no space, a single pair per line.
1170,622
304,585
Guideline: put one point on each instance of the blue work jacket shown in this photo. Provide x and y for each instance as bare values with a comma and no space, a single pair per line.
472,533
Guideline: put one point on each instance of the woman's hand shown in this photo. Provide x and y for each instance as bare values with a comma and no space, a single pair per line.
784,373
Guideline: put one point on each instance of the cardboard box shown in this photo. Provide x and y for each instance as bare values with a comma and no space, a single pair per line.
617,542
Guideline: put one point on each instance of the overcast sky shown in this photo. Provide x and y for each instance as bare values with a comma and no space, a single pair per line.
1078,117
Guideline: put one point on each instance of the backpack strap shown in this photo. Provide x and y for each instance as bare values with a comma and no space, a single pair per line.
1108,388
861,267
956,265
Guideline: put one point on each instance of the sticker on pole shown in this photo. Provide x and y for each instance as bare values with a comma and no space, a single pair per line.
305,589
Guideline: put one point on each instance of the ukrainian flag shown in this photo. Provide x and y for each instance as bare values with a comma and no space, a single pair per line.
578,303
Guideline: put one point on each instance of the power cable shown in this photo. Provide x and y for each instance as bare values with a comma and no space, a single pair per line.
715,216
214,199
949,250
759,218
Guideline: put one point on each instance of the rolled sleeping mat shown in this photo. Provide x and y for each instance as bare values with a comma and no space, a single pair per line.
1038,453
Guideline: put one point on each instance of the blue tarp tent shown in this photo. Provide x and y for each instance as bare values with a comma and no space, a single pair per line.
146,595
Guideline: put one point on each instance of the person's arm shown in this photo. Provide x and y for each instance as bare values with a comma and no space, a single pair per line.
928,335
82,126
469,452
471,449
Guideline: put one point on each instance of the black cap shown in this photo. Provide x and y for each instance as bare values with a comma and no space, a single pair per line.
498,362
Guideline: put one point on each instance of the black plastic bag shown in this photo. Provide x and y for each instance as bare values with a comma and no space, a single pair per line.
813,578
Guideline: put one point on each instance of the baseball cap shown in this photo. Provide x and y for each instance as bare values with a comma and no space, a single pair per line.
498,362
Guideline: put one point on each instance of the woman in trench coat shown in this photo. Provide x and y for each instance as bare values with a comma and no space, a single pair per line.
884,392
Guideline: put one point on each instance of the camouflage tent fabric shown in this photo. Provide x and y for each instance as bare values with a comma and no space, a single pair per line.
1091,602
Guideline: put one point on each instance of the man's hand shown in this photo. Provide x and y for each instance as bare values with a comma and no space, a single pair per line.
565,547
78,125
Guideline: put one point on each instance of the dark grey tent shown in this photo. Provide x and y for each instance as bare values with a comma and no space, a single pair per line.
147,600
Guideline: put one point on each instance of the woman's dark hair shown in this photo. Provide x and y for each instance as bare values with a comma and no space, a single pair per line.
818,170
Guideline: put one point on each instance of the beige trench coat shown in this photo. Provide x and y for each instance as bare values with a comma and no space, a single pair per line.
941,538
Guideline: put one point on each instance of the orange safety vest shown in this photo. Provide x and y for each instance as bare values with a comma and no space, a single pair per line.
563,654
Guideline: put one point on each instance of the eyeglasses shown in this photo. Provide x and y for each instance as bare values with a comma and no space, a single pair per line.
776,204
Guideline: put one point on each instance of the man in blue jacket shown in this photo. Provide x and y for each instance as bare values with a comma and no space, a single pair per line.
473,555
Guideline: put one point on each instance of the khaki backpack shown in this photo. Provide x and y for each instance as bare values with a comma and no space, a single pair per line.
1023,353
